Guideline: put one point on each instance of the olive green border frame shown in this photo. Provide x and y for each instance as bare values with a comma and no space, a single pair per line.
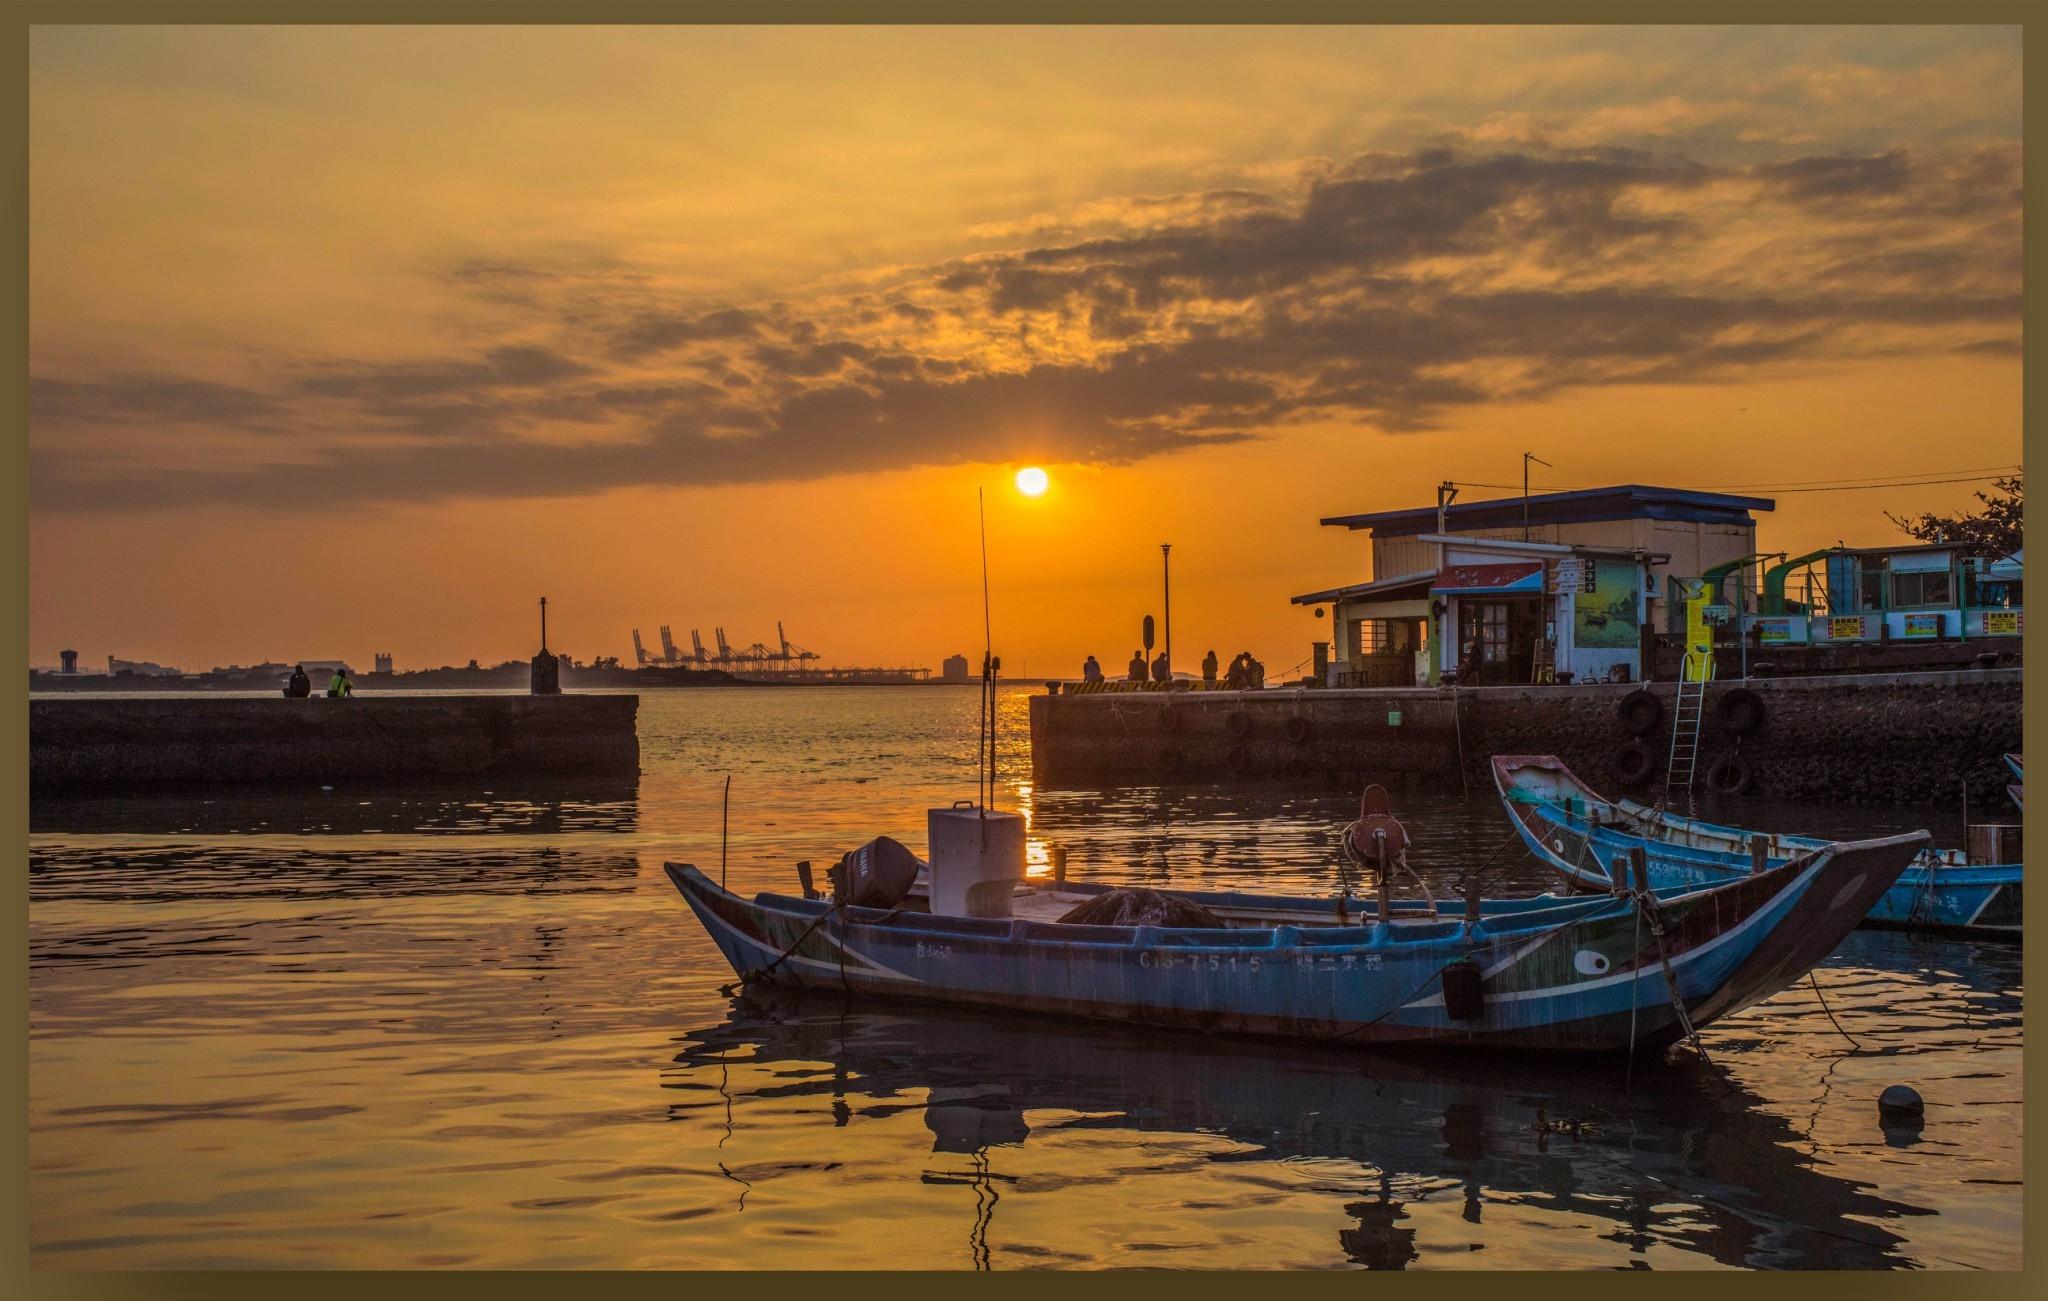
15,20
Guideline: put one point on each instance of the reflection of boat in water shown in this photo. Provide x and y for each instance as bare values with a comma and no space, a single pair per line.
1587,838
1688,1160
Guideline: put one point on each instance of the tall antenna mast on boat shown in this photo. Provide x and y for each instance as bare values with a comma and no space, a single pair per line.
986,742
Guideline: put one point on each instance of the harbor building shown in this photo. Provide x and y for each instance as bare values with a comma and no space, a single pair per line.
953,669
1529,589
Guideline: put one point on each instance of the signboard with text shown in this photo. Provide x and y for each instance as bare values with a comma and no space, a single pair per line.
1921,626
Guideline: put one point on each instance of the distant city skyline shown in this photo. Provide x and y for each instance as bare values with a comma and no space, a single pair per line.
367,337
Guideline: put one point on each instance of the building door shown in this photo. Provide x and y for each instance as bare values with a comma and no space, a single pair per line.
1497,639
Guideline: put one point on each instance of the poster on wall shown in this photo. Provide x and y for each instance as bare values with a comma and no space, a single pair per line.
1604,612
1773,632
2005,622
1923,625
1845,629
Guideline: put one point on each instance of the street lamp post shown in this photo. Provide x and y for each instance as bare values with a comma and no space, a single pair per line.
1166,571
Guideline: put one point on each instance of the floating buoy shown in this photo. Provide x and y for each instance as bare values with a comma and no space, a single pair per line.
1900,1102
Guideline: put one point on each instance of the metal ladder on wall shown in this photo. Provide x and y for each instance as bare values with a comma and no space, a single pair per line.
1685,734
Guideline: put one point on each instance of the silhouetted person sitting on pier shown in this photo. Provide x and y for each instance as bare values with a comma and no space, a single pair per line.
1209,668
339,687
1254,673
298,686
1160,671
1091,671
1137,666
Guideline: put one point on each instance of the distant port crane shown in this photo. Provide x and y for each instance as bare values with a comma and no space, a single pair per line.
784,659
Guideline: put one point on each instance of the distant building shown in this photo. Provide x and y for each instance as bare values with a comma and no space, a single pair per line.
1601,569
953,669
383,661
142,668
70,659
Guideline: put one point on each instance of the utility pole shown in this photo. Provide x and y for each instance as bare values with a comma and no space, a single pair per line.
1446,493
1166,569
543,623
1526,458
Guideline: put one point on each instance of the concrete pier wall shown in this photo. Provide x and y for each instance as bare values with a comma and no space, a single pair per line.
79,744
1908,737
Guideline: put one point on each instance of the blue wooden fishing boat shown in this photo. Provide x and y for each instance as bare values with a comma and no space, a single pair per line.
1586,839
1610,973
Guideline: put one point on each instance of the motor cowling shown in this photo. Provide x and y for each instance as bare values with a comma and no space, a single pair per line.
877,875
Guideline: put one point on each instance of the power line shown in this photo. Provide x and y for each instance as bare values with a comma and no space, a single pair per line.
1824,485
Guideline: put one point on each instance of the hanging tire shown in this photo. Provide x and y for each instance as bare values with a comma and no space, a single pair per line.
1168,759
1640,712
1169,719
1731,774
1237,722
1298,728
1631,763
1741,711
1239,760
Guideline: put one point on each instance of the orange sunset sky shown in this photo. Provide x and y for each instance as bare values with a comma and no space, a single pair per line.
357,339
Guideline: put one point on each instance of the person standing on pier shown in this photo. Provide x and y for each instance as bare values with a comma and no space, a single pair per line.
338,686
1209,669
1137,666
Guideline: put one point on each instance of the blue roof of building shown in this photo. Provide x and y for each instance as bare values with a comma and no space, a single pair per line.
1580,506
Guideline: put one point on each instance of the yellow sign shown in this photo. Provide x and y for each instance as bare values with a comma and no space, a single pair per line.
1699,641
1847,629
2002,621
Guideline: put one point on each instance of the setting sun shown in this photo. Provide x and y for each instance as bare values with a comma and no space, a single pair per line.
1032,481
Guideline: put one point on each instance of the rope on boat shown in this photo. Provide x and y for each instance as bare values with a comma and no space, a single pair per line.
1810,979
1646,905
746,978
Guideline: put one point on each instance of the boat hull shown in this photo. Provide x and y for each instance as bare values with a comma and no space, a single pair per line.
1586,839
1584,975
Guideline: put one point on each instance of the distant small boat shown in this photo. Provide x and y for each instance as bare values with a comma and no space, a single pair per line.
1603,973
1586,839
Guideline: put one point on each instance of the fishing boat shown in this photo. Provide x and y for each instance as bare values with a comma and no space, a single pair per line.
1587,839
1622,971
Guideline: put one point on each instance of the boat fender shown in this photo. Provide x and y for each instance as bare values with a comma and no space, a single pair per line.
1237,722
1298,728
1631,762
1640,712
1169,759
1464,991
1731,774
1239,759
1741,711
1169,719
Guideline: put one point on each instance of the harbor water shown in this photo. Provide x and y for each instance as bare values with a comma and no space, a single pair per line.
476,1027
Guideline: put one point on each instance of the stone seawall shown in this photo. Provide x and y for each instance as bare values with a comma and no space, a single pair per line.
1907,737
77,744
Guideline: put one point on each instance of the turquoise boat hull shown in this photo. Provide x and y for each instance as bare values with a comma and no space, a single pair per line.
1587,839
1586,974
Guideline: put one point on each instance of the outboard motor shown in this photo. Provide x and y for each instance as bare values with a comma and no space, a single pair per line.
877,875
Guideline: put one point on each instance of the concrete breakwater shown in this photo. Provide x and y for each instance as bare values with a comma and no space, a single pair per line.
1895,737
76,744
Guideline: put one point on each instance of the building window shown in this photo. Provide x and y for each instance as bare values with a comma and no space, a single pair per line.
1870,587
1921,589
1372,636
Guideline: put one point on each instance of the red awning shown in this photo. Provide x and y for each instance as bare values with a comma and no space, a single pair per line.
1513,577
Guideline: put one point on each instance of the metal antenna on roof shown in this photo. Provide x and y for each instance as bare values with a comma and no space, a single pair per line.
1526,458
1446,493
